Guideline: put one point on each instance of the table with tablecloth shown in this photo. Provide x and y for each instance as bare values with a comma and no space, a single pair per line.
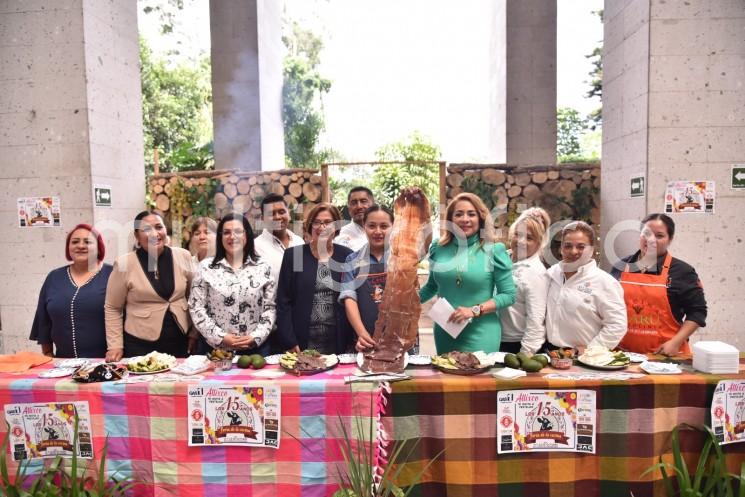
145,426
458,414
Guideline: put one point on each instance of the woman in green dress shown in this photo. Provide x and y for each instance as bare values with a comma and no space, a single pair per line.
473,274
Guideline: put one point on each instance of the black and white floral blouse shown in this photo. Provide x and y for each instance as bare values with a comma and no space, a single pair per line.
241,302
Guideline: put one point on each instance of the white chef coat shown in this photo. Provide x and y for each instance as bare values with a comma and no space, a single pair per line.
271,250
587,309
523,321
352,236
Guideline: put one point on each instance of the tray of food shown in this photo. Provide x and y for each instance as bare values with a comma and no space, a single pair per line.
152,363
307,362
462,363
599,357
100,371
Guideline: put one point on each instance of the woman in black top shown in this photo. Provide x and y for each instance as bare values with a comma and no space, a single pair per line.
664,296
309,315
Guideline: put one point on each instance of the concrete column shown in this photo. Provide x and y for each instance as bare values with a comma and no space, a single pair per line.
674,108
523,125
70,117
247,84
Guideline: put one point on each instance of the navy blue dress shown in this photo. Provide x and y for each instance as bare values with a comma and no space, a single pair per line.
72,317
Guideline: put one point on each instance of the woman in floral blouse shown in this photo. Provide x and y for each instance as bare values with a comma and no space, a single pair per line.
232,297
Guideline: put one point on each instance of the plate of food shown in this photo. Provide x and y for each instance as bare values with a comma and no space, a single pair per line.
57,372
599,357
99,371
462,363
152,363
307,362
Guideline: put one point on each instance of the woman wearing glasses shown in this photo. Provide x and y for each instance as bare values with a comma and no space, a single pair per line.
232,296
309,315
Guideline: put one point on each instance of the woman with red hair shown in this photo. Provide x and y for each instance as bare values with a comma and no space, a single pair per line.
69,319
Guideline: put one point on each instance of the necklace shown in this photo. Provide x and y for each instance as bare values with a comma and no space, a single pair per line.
460,269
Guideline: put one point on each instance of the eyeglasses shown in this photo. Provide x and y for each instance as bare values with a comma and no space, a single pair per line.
321,224
235,233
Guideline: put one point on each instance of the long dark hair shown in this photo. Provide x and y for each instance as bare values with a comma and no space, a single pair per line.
250,249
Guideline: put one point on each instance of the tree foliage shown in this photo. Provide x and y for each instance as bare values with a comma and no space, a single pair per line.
570,127
596,80
166,11
389,179
176,112
302,90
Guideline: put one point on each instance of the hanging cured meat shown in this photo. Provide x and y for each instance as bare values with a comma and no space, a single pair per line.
398,314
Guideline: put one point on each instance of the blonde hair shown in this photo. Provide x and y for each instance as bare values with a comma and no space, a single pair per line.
536,220
486,223
317,209
580,226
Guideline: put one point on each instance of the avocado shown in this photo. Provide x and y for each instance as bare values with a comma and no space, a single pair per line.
522,356
511,361
257,361
532,366
541,358
244,362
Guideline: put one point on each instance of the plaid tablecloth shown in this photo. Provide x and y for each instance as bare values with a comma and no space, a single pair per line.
634,421
146,426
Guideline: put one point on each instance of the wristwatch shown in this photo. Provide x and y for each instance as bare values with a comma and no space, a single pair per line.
476,310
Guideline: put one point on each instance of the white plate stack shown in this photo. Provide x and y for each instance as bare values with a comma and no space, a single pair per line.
716,357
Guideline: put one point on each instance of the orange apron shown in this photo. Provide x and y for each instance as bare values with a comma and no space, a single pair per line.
650,319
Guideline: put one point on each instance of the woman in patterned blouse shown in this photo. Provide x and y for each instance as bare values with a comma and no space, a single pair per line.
232,297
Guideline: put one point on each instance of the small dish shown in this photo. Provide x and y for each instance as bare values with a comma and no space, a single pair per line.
72,363
651,367
420,360
347,358
57,372
360,358
634,357
273,359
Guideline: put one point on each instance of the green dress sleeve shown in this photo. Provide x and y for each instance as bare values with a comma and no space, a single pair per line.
504,285
430,289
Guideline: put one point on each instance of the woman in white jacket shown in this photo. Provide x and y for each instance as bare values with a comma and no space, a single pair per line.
523,326
585,305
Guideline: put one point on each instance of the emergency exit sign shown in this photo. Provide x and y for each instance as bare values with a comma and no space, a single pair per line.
637,186
738,176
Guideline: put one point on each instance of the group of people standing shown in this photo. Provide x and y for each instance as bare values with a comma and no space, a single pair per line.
281,292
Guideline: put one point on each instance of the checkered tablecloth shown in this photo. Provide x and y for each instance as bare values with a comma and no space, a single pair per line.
146,426
635,418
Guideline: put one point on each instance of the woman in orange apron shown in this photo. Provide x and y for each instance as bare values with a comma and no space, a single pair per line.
664,298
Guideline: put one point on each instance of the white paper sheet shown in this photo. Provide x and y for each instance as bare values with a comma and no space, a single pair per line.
440,312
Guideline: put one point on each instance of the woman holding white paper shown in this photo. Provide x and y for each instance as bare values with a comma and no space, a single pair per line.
473,274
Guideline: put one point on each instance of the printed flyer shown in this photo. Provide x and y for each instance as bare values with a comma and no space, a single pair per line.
728,411
546,420
247,416
48,430
689,196
35,212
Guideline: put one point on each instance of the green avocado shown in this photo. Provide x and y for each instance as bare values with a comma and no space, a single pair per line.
532,366
522,356
257,361
244,362
511,361
541,358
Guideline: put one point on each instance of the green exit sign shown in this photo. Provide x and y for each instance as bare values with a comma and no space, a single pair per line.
738,176
637,186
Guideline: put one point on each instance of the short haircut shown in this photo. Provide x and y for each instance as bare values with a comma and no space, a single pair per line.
580,226
361,189
272,198
378,208
93,231
666,220
317,209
